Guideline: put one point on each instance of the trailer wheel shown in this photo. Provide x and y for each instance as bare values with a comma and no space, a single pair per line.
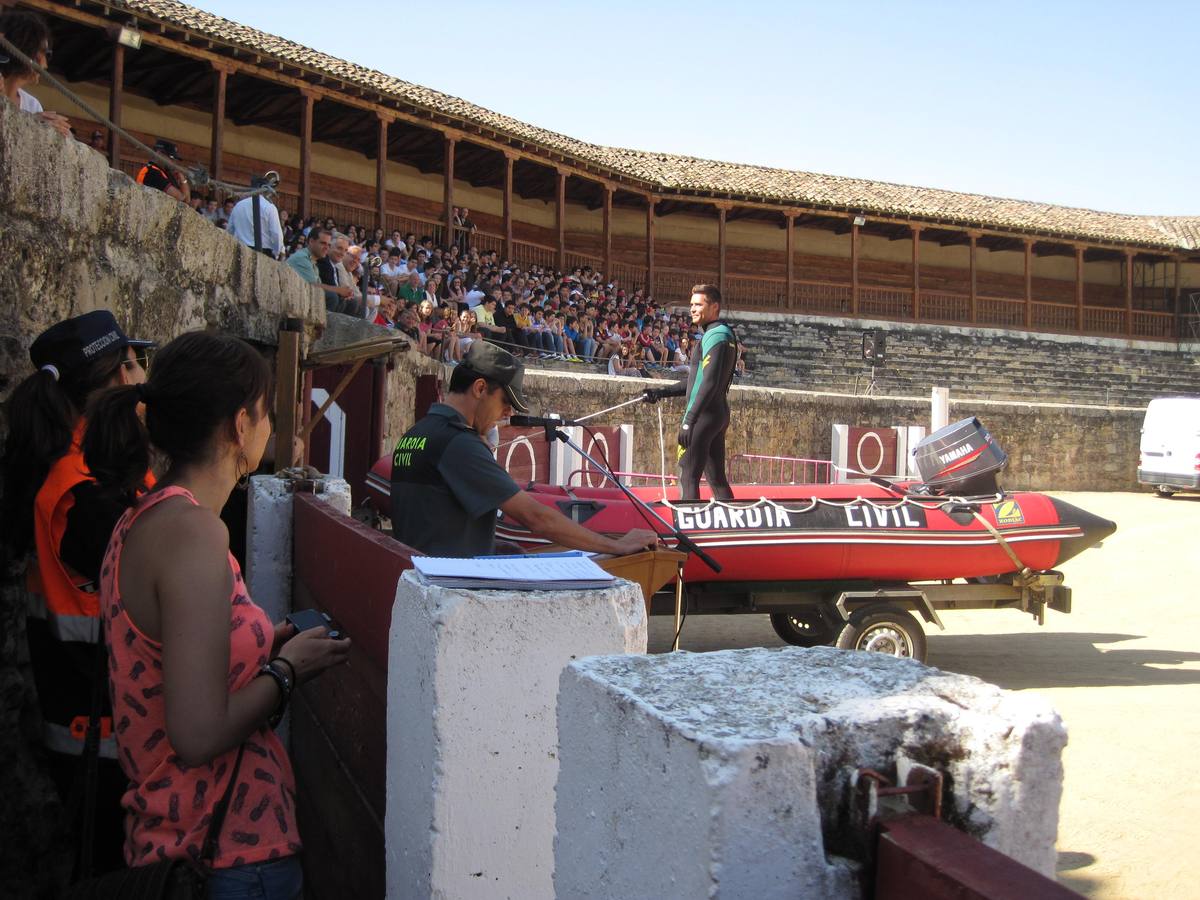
882,628
802,628
1164,491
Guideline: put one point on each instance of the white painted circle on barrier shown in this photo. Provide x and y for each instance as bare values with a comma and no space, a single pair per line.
512,447
591,449
858,454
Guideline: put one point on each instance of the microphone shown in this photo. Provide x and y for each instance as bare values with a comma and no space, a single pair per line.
539,421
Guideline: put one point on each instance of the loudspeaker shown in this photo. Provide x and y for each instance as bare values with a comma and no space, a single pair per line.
874,348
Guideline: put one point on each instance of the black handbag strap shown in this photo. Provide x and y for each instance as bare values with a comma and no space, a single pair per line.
209,851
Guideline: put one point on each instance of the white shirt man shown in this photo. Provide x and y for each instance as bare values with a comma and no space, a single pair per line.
339,256
241,224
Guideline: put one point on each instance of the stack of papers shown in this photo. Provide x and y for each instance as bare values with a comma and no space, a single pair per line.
573,571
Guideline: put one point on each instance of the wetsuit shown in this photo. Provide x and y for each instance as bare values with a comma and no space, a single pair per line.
706,417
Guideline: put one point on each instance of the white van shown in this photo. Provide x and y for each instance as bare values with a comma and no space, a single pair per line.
1170,459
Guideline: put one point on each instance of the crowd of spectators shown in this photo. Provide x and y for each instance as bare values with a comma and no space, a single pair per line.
445,297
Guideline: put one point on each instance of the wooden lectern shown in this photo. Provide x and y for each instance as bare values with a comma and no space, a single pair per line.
650,568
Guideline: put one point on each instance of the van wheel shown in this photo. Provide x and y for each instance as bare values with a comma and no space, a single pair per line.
1163,491
882,628
805,628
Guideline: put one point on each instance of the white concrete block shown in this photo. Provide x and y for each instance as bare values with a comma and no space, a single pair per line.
727,775
472,748
269,538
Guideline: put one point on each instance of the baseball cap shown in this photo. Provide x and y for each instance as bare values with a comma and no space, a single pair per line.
75,342
166,148
500,366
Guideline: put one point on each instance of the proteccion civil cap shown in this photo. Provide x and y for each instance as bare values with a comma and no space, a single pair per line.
167,148
497,364
75,342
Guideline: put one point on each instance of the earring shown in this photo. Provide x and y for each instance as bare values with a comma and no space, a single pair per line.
243,471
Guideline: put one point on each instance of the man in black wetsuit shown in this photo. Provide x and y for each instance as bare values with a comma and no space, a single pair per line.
706,416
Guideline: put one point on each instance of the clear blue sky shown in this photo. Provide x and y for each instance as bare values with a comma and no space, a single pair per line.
1077,103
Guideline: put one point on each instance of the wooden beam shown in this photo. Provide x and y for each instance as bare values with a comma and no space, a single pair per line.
973,238
287,392
722,212
1079,288
1129,293
650,201
382,173
790,249
114,105
608,199
855,233
508,217
1178,286
560,218
306,133
220,82
1028,283
448,191
916,272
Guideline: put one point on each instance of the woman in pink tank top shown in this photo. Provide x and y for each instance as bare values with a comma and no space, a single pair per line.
197,671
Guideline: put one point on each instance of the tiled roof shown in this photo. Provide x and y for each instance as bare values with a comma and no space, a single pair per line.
668,173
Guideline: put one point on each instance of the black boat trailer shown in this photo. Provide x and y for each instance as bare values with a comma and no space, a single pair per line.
879,617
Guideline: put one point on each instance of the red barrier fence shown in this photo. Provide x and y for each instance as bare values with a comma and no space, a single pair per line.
339,720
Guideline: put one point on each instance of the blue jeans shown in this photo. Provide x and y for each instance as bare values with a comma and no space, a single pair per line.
276,879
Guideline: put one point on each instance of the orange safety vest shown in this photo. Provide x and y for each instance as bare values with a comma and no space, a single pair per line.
145,170
68,601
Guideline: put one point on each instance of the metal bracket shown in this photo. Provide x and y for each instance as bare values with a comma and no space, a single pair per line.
302,480
877,798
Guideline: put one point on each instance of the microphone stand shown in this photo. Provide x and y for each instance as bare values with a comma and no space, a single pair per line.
553,432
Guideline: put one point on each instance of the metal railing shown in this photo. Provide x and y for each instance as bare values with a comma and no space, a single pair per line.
751,468
529,254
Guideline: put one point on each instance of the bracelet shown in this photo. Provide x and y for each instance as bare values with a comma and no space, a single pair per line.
285,692
291,668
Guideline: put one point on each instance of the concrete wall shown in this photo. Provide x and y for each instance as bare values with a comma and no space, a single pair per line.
1050,447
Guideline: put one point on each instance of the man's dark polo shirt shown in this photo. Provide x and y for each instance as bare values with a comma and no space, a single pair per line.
446,487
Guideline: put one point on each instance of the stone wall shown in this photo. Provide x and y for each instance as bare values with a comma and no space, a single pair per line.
78,236
825,354
1050,446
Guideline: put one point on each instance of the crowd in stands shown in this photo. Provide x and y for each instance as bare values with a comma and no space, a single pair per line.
446,297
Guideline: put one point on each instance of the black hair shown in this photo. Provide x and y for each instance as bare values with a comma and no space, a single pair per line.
198,384
42,415
28,32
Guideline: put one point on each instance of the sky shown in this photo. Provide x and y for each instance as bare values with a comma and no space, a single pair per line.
1089,104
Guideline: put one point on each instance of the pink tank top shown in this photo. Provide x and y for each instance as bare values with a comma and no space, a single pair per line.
169,804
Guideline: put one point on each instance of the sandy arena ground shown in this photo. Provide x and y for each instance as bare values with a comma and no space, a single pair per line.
1123,670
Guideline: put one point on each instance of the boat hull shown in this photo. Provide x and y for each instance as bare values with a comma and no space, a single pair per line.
789,533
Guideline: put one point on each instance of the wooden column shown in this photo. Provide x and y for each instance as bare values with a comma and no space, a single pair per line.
854,235
114,105
448,235
790,276
916,272
1129,292
1079,288
381,161
560,218
973,239
721,212
220,82
650,201
508,222
608,199
306,133
1176,307
1028,283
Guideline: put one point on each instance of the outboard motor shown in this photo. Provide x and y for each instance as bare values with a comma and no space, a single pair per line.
960,459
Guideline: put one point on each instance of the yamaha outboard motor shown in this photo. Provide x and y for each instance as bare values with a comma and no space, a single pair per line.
960,459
